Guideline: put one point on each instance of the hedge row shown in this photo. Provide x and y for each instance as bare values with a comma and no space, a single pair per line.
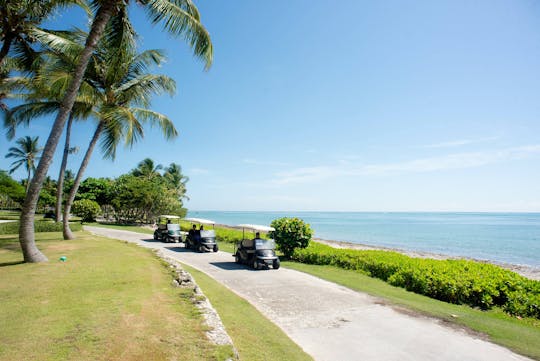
456,281
39,226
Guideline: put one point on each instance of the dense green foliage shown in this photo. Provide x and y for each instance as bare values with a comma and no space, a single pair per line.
87,209
456,281
11,191
39,226
290,234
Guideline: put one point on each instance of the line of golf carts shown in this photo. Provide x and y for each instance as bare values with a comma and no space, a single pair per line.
256,252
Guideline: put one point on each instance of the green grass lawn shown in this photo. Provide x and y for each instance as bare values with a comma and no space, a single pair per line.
109,301
122,227
521,336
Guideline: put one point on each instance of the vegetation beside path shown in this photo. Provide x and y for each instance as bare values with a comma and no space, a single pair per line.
109,301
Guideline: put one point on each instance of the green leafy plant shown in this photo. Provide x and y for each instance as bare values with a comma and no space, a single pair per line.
473,283
87,209
290,234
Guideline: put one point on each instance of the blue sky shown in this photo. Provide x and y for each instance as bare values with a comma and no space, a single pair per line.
348,106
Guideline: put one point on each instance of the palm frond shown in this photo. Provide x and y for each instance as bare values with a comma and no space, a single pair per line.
180,18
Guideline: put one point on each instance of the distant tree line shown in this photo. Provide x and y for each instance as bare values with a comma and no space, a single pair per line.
138,196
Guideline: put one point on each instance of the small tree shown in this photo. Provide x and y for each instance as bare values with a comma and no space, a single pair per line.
291,233
87,209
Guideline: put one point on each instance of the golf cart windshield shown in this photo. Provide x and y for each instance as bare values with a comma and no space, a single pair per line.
264,243
173,227
208,233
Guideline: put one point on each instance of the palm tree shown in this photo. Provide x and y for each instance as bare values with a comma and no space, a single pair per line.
147,169
125,89
18,20
173,175
179,18
27,153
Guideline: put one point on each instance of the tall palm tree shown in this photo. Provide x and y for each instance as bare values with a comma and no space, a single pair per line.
120,77
179,17
26,154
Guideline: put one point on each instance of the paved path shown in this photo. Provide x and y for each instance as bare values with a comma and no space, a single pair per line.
328,321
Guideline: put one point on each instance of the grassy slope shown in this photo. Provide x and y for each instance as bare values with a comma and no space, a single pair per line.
255,337
519,335
110,300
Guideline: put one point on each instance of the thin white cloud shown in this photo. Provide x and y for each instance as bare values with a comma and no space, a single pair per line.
459,143
433,164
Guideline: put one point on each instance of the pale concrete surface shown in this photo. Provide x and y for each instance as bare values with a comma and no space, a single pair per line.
6,220
328,321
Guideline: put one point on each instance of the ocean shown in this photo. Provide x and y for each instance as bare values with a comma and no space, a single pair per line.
503,237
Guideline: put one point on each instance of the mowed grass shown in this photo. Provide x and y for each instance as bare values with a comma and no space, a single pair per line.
254,336
109,301
122,227
520,335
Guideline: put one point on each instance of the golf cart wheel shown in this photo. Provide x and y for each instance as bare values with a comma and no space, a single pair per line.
255,264
155,236
276,264
216,248
200,249
236,258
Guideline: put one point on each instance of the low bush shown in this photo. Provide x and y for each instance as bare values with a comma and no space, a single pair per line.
456,281
87,209
290,234
39,226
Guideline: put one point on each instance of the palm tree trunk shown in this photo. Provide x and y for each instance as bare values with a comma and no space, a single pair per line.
60,184
5,47
26,230
28,179
67,208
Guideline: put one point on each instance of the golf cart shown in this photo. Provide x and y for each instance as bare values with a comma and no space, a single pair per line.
256,252
202,240
166,230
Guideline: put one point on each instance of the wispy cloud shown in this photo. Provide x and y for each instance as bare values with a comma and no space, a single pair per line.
442,163
459,143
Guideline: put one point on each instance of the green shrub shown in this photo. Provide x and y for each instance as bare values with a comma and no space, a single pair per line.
473,283
39,226
87,209
290,234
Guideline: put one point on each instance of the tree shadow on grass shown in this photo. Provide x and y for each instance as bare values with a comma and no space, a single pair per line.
14,263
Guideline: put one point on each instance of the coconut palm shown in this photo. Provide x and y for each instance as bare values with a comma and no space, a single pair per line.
179,17
147,169
26,154
18,20
125,88
173,175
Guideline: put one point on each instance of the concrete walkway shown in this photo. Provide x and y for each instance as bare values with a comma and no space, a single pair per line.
328,321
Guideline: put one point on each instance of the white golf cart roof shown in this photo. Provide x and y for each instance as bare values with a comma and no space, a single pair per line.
256,227
199,220
169,216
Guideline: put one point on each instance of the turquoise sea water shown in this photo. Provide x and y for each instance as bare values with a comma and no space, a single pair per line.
504,237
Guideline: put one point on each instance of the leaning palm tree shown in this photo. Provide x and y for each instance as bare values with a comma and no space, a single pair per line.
179,17
125,88
26,154
42,92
